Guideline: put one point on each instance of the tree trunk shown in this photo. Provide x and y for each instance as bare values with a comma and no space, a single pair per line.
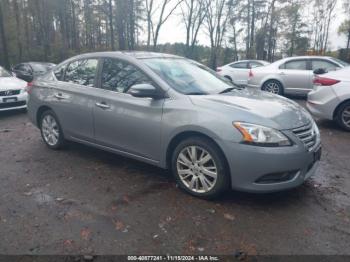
111,27
3,40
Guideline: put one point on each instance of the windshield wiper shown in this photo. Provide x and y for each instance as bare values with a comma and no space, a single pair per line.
195,94
230,89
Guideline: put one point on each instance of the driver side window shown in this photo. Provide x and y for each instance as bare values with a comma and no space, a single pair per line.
119,76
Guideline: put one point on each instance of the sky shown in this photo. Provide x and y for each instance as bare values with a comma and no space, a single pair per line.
173,31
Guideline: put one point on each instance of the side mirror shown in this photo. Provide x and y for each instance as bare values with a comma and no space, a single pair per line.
145,91
320,71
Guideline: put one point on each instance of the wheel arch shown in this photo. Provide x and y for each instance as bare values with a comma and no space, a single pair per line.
40,112
336,110
184,135
274,80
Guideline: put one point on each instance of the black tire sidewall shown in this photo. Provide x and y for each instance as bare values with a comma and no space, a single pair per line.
223,180
339,118
281,91
61,141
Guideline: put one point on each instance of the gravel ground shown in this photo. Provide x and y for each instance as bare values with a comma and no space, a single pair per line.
85,201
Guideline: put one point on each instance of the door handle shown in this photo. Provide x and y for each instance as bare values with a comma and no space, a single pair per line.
59,96
103,105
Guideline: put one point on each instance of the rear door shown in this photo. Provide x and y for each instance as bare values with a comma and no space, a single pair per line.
73,97
240,72
124,122
296,76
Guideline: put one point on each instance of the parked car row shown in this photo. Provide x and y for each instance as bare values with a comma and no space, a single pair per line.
13,94
328,95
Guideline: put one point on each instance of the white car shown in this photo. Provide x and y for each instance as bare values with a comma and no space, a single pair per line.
238,72
13,92
330,98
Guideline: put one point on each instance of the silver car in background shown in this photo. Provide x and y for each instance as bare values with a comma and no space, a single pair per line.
238,72
292,75
330,98
178,114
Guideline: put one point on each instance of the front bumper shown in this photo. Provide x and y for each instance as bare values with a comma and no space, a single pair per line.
248,164
20,103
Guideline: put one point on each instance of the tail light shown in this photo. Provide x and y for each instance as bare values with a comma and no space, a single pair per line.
219,69
29,87
324,81
251,75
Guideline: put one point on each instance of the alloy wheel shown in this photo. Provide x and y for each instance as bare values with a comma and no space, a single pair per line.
197,169
50,130
346,116
272,87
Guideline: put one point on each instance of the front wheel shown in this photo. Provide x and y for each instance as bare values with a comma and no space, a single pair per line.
273,86
51,131
199,168
343,116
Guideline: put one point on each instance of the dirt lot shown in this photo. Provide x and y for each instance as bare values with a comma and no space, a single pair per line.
84,201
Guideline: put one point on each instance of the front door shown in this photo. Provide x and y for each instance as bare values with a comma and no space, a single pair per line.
124,122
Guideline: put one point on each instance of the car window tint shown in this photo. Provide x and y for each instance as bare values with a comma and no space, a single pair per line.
240,65
323,64
296,65
59,73
255,64
82,72
119,76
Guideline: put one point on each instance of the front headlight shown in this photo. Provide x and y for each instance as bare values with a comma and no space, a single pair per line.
261,135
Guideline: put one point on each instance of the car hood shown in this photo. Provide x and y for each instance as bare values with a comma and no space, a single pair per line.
10,83
257,107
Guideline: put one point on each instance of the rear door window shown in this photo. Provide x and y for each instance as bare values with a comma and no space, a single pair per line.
254,64
119,76
59,73
82,72
296,65
242,65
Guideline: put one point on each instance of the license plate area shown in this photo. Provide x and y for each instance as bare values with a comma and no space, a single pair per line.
9,100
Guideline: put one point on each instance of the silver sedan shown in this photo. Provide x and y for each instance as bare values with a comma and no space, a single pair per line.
292,75
178,114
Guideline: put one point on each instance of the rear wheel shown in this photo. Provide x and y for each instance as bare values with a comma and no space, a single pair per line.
273,86
199,168
343,116
51,131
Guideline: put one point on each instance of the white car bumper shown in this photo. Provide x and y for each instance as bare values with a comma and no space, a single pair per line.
14,102
322,102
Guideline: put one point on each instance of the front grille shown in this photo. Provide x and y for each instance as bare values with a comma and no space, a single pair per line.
12,104
10,92
307,134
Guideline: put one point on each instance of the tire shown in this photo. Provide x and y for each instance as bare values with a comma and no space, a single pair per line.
204,184
273,86
343,116
51,131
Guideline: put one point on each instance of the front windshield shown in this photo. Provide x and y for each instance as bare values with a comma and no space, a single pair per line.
4,73
188,77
